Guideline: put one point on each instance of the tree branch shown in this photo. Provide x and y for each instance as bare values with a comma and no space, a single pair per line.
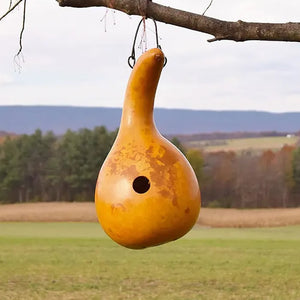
221,30
11,8
22,30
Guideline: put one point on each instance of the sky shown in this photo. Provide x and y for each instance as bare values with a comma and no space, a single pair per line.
78,57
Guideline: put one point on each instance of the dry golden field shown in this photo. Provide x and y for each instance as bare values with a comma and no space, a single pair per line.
238,145
211,217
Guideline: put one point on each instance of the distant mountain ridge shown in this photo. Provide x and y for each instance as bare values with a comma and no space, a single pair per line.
26,119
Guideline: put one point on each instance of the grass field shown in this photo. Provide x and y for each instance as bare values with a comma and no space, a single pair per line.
254,144
77,261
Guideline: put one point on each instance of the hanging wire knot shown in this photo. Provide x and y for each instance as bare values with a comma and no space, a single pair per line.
132,58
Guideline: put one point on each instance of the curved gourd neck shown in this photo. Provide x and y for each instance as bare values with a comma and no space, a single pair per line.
140,93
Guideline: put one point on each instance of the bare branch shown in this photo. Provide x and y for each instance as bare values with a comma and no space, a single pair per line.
209,5
11,8
22,30
221,30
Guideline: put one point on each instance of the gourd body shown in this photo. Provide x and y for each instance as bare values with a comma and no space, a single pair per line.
147,193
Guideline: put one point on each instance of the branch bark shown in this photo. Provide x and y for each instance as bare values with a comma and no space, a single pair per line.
221,30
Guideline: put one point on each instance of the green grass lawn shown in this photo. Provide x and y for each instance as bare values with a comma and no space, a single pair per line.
77,261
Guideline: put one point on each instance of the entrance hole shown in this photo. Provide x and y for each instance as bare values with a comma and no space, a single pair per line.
141,184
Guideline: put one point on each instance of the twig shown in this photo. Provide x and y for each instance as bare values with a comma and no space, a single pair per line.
10,9
209,5
22,30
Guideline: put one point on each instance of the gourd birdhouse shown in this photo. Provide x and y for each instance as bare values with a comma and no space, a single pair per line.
147,193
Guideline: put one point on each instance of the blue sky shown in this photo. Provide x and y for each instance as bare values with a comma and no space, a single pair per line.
71,57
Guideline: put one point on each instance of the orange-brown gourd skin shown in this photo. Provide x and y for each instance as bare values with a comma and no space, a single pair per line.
170,207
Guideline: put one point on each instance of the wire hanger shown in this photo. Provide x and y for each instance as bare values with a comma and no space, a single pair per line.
132,58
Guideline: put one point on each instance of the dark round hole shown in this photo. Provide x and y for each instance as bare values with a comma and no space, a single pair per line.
141,184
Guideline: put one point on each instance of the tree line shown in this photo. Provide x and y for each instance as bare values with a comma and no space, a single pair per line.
249,180
45,167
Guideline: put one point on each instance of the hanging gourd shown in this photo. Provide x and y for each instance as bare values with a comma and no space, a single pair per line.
147,193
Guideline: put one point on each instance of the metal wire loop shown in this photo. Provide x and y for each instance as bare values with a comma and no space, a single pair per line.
132,58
